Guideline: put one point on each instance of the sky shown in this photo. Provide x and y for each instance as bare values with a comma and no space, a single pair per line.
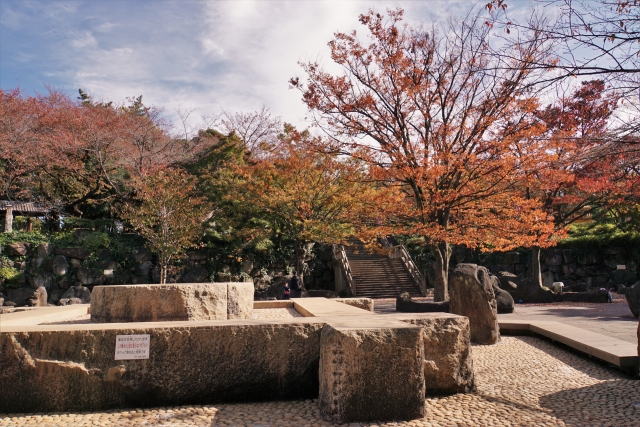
184,55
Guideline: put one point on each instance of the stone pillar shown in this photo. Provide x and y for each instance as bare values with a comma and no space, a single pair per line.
371,373
8,220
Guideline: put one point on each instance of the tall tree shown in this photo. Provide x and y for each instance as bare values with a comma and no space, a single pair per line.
168,213
434,111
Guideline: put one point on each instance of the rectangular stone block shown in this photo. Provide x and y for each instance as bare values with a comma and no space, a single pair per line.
363,303
371,374
155,303
448,363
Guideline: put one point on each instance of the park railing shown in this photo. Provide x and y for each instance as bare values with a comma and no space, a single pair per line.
340,257
400,252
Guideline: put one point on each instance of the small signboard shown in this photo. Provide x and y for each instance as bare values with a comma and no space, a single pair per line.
622,267
131,347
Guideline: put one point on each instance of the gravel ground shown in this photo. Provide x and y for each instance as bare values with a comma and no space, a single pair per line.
522,381
274,313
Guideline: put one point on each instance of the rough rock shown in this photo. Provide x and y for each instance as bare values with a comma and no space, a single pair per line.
141,255
632,294
18,249
363,303
504,301
41,279
19,295
39,297
371,374
154,303
65,283
508,281
80,292
239,300
406,304
554,257
107,264
43,250
145,268
198,274
448,363
60,266
76,253
471,294
36,263
90,277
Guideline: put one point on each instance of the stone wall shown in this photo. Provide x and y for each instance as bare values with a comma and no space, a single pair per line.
578,269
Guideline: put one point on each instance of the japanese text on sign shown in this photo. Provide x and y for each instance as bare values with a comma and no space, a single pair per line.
130,347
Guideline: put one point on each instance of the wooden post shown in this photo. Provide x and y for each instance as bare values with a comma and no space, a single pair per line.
8,220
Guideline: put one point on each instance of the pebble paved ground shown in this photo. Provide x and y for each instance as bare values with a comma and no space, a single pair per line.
522,381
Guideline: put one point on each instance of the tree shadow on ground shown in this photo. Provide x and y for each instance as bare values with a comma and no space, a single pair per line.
614,403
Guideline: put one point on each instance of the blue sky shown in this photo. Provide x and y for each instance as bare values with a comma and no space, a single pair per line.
202,55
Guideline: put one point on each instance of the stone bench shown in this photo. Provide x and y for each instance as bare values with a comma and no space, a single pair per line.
174,302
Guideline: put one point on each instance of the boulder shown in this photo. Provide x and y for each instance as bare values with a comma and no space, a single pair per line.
632,294
155,303
371,374
569,256
141,255
41,279
448,363
76,253
18,248
198,274
107,264
43,250
471,294
60,266
90,277
39,297
19,295
145,268
504,300
406,304
508,281
104,254
65,283
624,277
36,263
222,277
80,292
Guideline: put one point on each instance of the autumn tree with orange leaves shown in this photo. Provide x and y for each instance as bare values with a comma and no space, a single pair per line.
308,196
435,113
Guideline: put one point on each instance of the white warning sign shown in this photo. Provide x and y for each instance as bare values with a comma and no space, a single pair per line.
130,347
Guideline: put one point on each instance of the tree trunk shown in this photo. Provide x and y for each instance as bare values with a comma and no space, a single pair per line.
536,273
301,252
442,254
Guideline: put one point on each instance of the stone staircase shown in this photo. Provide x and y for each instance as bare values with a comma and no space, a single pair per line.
377,275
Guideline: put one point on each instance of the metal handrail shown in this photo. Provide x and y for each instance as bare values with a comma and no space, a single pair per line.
340,255
400,252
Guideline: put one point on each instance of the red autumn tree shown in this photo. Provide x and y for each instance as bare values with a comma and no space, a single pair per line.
434,112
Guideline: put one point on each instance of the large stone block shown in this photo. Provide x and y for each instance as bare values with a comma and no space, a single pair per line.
448,364
154,303
75,370
363,303
239,300
369,374
471,294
